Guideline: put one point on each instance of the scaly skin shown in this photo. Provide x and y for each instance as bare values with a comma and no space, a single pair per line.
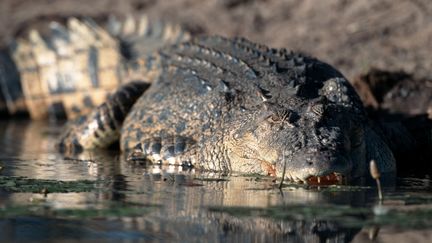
72,70
232,105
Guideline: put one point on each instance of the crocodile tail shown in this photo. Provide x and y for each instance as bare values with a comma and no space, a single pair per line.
71,69
139,36
74,67
140,39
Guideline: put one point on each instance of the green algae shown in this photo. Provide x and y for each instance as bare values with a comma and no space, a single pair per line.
118,211
24,184
297,212
408,199
344,215
208,179
418,218
106,211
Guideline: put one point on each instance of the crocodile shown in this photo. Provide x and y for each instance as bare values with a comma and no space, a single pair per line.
208,102
227,104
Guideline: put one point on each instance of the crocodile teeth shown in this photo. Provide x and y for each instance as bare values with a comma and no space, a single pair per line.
329,179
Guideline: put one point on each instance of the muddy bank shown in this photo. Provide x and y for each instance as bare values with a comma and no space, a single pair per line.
351,35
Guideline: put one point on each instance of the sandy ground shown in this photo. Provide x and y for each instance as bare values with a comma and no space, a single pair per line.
351,35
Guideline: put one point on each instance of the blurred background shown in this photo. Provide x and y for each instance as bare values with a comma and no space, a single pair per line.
393,35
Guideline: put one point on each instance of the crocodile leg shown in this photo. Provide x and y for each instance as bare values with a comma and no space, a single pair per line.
101,128
172,150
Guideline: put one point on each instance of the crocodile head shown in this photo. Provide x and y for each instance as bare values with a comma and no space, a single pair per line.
315,139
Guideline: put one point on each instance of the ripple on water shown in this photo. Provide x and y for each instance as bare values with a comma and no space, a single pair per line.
108,198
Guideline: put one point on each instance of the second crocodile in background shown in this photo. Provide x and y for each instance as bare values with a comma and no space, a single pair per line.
232,105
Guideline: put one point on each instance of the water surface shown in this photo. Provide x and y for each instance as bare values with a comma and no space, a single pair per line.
45,196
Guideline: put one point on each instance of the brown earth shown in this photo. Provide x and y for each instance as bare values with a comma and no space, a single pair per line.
353,36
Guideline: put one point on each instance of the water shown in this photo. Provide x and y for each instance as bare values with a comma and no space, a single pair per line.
98,196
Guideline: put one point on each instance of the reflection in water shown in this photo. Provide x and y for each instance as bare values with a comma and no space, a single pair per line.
182,199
